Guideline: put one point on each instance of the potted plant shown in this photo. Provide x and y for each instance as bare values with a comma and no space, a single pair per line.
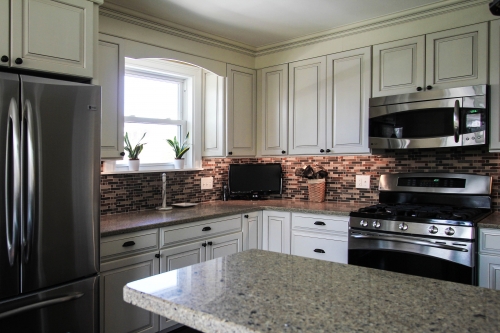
133,153
179,150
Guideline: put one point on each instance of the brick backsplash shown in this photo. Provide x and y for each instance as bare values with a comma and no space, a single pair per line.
131,192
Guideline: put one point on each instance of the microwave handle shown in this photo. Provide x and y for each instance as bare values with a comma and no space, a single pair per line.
456,120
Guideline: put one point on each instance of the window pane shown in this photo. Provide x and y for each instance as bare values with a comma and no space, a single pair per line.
156,149
150,98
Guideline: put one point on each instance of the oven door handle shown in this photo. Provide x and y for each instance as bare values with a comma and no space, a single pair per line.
412,241
456,120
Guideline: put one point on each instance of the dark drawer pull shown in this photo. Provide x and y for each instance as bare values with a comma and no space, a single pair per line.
204,244
319,251
206,229
319,223
246,216
210,243
129,243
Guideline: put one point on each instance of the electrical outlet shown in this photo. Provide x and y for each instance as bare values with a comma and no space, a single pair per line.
207,183
363,181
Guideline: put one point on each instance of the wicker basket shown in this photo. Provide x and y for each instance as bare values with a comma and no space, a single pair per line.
317,190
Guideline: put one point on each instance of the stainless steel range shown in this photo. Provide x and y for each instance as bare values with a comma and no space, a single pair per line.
424,224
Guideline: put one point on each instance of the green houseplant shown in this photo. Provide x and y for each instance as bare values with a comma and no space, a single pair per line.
179,150
133,152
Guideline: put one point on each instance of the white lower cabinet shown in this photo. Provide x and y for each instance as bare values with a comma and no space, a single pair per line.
276,231
252,231
489,258
320,237
117,316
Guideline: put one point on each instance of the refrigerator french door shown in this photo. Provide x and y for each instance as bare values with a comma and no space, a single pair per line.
49,204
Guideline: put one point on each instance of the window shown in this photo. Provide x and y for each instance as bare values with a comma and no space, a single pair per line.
157,102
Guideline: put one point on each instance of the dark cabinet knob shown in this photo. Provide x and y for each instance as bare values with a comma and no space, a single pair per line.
246,216
328,150
283,152
122,153
204,244
429,87
230,153
206,229
319,251
209,243
129,243
157,255
4,58
319,223
18,61
321,150
419,88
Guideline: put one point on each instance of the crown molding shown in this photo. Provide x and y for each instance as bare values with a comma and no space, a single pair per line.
149,22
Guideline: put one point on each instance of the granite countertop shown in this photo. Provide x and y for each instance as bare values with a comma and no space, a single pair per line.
262,291
492,221
148,219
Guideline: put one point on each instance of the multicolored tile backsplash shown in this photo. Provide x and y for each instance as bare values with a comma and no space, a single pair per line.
131,192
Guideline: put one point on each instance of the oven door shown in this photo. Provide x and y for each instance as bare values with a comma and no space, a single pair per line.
441,259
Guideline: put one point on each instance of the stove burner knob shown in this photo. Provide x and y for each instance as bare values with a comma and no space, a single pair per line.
363,223
433,229
449,231
403,226
376,224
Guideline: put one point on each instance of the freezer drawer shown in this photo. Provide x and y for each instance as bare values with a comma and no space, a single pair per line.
71,308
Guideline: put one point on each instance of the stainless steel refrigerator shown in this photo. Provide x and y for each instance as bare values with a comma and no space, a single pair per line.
49,205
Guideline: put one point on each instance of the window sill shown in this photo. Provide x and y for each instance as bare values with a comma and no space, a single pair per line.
150,171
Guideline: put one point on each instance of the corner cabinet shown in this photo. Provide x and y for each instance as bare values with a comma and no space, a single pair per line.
495,86
51,36
272,86
307,106
241,111
489,258
252,231
276,231
348,91
111,77
213,124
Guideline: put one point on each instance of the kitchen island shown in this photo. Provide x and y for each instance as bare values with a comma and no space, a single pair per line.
262,291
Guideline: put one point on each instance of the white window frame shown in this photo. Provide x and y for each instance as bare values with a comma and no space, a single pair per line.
190,110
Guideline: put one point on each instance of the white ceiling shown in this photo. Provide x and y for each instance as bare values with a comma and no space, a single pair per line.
263,22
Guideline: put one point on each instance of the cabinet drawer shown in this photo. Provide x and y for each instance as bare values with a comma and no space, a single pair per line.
320,222
489,241
192,231
129,243
318,246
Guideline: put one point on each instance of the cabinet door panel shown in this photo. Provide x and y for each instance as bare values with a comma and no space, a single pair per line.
4,30
307,106
225,245
54,36
273,113
489,271
116,314
398,67
495,85
457,57
213,115
111,79
182,256
241,111
276,231
348,81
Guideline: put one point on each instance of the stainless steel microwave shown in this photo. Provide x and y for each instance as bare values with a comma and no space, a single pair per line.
430,119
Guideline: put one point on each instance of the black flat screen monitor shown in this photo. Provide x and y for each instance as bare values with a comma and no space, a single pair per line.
254,180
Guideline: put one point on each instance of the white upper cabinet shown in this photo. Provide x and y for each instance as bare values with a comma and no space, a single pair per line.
398,67
495,85
273,109
53,36
213,115
4,33
307,106
111,78
241,111
457,57
348,91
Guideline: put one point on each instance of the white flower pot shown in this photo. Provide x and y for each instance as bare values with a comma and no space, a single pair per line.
133,165
179,163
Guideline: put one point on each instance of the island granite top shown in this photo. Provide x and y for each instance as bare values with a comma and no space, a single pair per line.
148,219
262,291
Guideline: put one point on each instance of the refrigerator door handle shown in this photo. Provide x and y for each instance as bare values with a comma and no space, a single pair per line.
28,167
12,181
41,304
